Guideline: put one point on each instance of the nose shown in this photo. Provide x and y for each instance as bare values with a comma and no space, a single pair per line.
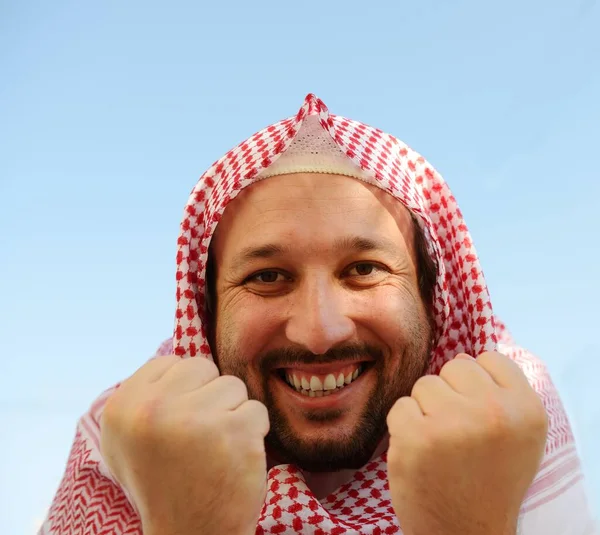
318,321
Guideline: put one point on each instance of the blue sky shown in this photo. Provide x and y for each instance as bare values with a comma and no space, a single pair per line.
110,111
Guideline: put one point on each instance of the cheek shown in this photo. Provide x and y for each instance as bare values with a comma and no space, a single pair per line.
395,314
243,331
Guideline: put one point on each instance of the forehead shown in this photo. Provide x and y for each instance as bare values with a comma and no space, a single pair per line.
311,208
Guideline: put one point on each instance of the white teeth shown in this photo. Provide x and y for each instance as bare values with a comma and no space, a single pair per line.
315,383
315,387
329,383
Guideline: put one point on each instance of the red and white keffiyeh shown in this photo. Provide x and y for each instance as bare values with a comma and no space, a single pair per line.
88,500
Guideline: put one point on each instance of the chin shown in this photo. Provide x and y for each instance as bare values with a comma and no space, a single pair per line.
338,431
326,446
328,456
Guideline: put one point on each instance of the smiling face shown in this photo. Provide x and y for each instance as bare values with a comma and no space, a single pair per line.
318,310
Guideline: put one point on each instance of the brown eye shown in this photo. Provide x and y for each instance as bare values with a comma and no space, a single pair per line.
364,269
365,274
266,277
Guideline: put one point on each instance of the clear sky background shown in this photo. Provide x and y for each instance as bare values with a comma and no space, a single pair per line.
109,111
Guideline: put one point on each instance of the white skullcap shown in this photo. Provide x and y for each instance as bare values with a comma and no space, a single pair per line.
313,151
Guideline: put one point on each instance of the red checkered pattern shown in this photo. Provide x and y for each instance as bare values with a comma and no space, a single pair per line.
88,502
463,312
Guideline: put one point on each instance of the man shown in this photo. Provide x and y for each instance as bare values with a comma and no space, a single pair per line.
335,367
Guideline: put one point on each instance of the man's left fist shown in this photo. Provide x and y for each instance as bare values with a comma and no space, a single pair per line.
465,447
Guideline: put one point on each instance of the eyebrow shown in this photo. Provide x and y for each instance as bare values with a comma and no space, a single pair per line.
347,244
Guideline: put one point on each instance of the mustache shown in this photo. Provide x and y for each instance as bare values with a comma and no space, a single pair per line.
288,357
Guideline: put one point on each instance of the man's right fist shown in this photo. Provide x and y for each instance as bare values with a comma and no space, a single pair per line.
188,446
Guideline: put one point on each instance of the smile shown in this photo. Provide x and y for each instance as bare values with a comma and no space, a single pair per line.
314,384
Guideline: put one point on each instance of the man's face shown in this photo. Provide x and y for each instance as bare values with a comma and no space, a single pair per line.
318,311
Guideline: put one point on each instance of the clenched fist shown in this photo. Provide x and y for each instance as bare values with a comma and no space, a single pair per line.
188,446
465,447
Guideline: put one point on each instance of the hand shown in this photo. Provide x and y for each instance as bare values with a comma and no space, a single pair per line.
465,447
188,446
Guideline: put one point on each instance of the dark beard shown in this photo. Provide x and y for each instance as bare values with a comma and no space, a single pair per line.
325,455
358,447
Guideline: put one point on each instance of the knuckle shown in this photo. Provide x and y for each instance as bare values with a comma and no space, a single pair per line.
424,383
111,412
257,416
231,382
112,416
155,364
393,413
493,361
256,409
221,438
498,420
430,440
262,412
142,419
488,356
399,411
453,367
206,367
171,359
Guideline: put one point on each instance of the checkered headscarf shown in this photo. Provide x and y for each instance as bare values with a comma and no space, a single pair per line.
89,501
